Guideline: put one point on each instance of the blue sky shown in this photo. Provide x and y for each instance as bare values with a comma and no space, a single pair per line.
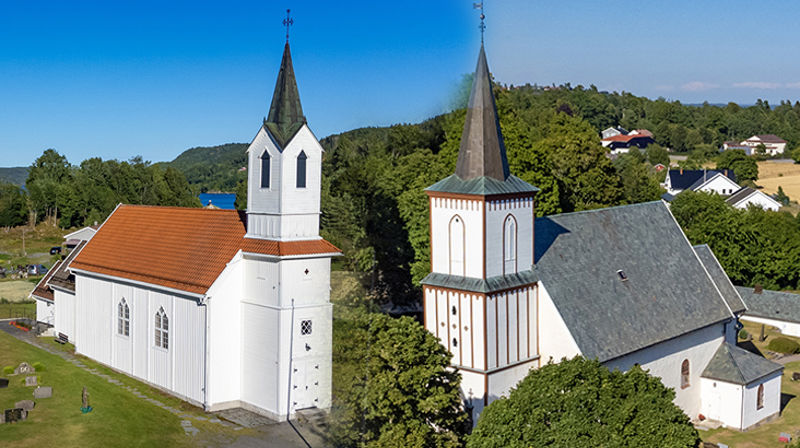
118,79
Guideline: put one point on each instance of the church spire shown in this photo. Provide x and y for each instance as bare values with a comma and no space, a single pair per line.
285,113
482,152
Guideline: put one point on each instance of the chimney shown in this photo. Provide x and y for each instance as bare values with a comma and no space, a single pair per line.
95,223
681,171
726,173
758,289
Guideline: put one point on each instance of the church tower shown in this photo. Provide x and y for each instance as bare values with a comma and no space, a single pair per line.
284,168
480,297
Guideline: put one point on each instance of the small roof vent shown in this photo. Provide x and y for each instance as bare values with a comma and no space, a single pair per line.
758,289
621,275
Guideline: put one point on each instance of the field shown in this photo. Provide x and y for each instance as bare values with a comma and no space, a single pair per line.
24,245
119,418
766,435
17,290
773,174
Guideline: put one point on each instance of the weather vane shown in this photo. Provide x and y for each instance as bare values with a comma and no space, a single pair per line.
482,26
287,22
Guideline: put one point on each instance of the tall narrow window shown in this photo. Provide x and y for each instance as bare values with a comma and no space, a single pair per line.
301,170
685,374
123,318
510,245
760,397
457,246
265,170
162,329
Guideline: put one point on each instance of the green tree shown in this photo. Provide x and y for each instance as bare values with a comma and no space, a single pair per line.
13,205
580,403
657,154
745,167
392,385
47,182
639,182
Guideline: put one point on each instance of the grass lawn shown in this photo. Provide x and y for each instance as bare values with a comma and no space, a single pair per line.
17,290
119,418
19,309
766,435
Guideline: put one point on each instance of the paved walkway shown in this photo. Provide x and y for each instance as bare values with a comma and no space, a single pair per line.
274,434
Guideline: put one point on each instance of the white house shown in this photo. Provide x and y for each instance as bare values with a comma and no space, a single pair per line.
622,285
219,307
773,144
85,234
711,181
613,131
746,197
775,308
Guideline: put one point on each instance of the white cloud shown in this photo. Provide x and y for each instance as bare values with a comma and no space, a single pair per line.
793,85
758,85
696,86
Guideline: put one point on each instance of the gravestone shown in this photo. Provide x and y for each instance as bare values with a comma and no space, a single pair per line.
43,392
3,383
24,369
25,404
31,381
15,415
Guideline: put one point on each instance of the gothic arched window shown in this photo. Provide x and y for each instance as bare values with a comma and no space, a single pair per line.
456,246
123,318
685,374
162,329
301,169
760,397
265,170
510,245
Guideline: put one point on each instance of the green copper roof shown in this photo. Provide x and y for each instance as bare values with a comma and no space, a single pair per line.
285,113
479,285
736,365
482,185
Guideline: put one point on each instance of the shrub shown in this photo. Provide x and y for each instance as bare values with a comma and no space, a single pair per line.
743,334
38,366
783,345
8,370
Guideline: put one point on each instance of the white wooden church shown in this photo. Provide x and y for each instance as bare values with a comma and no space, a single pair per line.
509,292
219,307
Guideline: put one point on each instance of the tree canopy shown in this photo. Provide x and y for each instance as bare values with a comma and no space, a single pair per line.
580,403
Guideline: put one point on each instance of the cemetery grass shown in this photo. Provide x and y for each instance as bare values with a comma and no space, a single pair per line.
18,309
766,435
17,290
119,418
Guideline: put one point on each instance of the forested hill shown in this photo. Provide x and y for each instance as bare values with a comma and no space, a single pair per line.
212,168
15,175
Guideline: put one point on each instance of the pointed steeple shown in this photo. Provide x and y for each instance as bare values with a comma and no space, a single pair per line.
482,152
285,113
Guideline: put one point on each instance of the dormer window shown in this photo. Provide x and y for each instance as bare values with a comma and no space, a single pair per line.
622,276
265,170
301,169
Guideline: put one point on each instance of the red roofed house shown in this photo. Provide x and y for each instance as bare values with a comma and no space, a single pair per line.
620,144
773,144
222,308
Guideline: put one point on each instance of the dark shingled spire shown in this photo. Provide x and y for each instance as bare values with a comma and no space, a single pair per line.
285,113
482,151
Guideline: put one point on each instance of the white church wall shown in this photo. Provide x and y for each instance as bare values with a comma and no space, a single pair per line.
225,327
177,369
772,400
283,210
443,210
260,366
722,402
473,384
501,382
312,288
785,327
45,312
558,342
465,326
664,361
496,214
65,313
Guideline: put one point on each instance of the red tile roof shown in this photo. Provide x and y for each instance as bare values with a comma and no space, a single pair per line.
179,248
766,138
625,138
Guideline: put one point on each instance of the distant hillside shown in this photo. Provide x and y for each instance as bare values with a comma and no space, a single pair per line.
212,168
15,175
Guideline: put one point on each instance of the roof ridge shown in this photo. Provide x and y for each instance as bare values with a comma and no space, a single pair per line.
177,207
594,210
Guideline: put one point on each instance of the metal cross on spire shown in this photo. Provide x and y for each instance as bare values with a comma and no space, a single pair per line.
482,26
287,22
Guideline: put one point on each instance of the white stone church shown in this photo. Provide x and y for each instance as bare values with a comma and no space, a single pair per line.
219,307
509,292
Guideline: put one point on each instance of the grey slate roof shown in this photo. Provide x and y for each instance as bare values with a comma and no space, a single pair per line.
482,152
771,304
736,365
739,195
667,292
720,278
482,185
285,113
479,285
